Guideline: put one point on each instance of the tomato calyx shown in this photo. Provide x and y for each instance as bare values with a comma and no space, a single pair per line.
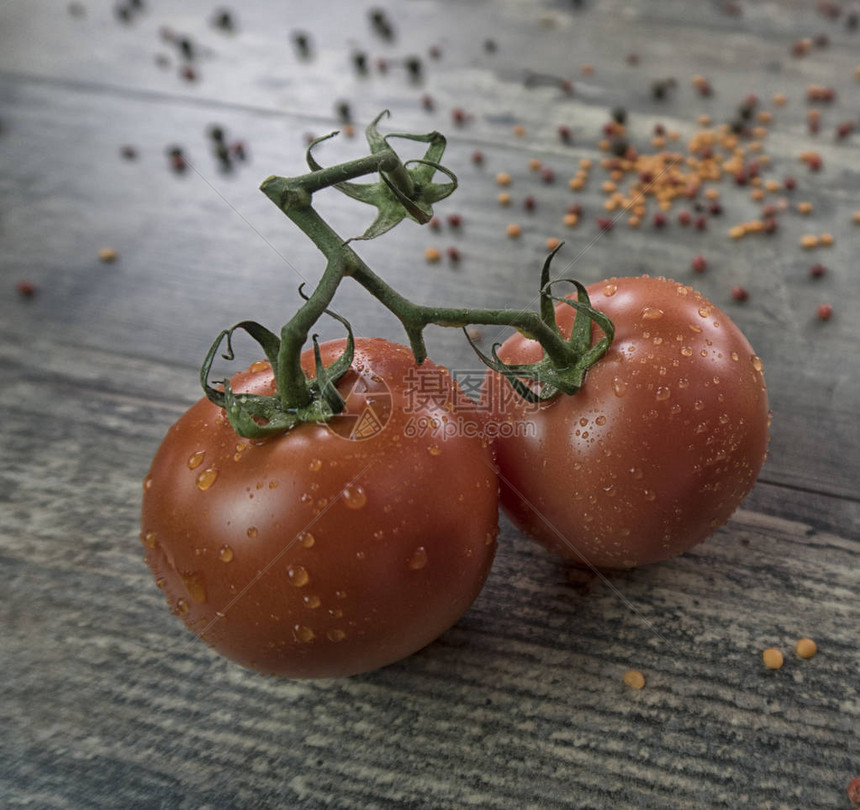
256,416
558,371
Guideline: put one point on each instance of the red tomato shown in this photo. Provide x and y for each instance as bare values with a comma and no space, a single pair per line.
658,448
311,554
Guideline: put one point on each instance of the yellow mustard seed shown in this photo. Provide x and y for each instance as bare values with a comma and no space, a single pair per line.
108,255
571,220
826,239
503,179
809,241
513,230
806,648
504,198
634,679
772,658
552,243
432,254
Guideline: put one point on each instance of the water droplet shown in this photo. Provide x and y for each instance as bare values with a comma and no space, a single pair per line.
756,362
252,531
354,496
491,537
609,290
340,594
315,465
724,419
675,409
600,421
298,576
694,328
195,459
195,585
663,393
434,450
225,553
181,606
704,312
258,366
303,634
148,539
683,382
273,484
682,290
649,494
312,601
619,386
652,313
206,478
418,559
686,351
335,635
378,534
307,539
699,405
161,583
636,473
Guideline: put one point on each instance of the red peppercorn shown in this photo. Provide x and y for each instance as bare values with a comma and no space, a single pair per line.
740,293
529,203
769,225
575,208
684,218
854,790
660,220
455,220
789,183
659,130
699,264
547,175
605,223
453,254
434,223
188,73
817,270
459,115
429,103
701,223
26,289
740,178
814,162
825,312
844,130
646,178
477,157
564,132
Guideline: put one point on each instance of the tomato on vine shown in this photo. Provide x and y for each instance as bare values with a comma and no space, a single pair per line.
658,448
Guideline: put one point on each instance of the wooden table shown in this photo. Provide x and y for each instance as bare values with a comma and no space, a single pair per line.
108,701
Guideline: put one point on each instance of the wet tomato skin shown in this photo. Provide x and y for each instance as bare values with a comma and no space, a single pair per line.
658,448
313,555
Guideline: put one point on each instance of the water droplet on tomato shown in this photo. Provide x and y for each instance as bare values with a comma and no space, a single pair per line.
686,351
148,539
181,607
335,635
258,366
147,483
340,594
251,531
303,633
649,494
418,559
619,386
225,553
491,536
652,313
704,312
600,421
307,539
298,576
354,496
378,534
694,328
663,393
636,473
434,450
160,583
699,405
756,362
206,478
312,601
195,585
315,465
195,459
610,289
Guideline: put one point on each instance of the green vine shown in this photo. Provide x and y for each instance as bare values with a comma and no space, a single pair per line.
403,189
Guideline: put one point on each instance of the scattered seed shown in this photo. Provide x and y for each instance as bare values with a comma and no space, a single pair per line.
854,790
806,648
699,264
634,679
26,289
503,179
453,254
740,293
571,220
477,157
826,239
504,198
513,231
552,243
605,224
432,254
809,241
804,208
825,312
547,175
772,658
108,255
817,270
455,220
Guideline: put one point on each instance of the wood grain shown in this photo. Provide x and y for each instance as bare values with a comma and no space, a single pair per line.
107,701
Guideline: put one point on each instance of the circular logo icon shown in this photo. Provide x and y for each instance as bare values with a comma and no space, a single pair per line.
368,409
